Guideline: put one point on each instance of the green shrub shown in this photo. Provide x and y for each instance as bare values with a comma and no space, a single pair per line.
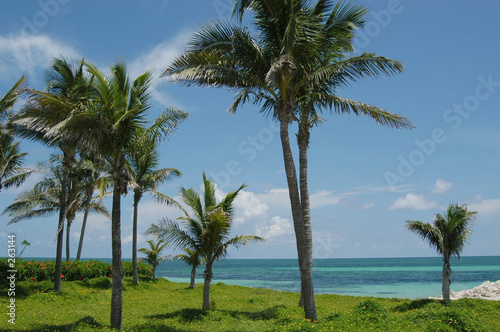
34,270
372,311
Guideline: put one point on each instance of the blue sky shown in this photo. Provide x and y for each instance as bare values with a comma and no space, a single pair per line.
365,179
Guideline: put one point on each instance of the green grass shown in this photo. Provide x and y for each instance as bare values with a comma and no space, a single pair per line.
168,306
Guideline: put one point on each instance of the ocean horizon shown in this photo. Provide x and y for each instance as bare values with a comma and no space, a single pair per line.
403,277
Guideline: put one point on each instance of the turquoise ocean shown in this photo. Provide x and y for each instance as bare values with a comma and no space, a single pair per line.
379,277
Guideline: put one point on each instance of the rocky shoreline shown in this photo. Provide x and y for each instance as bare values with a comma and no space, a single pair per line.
487,291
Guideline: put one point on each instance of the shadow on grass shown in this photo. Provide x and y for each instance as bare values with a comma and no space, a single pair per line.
85,321
416,304
266,314
190,315
184,315
23,292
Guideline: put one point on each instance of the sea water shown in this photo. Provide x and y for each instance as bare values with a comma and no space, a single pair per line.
379,277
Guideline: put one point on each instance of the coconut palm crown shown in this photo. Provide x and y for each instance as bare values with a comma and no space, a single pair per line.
292,67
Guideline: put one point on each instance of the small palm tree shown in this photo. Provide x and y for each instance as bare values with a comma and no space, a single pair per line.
207,232
153,257
145,176
448,235
25,244
193,258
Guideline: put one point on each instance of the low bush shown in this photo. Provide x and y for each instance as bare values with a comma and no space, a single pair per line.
35,270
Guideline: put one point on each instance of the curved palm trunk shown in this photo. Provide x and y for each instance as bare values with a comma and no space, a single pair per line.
84,223
305,264
446,278
137,197
193,276
206,286
116,291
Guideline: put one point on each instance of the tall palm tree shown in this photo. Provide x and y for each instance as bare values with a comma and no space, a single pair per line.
191,257
153,257
449,234
112,123
145,176
207,231
296,55
42,119
11,159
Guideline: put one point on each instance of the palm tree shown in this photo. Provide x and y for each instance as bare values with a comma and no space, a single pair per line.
8,100
11,159
44,199
91,168
42,119
448,235
25,244
207,232
145,176
113,122
191,257
153,257
293,65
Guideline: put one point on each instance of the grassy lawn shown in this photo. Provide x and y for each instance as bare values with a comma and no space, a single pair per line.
168,306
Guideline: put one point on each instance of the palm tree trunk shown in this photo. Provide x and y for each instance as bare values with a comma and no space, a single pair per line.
293,191
63,200
193,276
68,236
134,240
307,289
88,199
206,286
446,278
116,291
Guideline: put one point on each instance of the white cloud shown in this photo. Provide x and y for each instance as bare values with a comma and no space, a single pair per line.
249,206
441,187
487,207
28,53
157,60
277,226
413,202
159,57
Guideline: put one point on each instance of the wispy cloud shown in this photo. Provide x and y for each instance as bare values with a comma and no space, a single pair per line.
413,202
441,187
29,53
486,207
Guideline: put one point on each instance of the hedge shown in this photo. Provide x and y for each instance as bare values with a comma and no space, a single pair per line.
35,270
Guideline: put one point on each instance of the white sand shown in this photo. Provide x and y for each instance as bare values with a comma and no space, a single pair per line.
487,291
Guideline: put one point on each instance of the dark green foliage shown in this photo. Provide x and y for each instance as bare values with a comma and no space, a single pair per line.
371,311
34,270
